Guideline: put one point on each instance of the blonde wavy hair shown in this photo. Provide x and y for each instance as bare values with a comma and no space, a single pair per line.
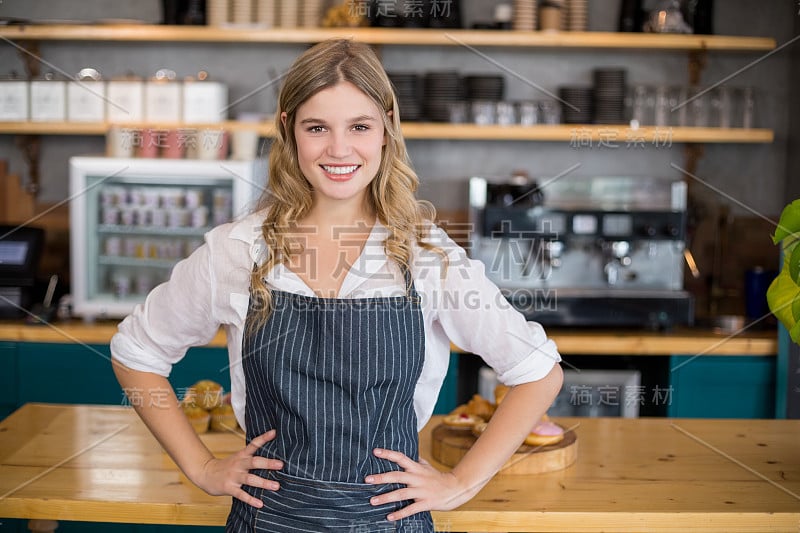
390,195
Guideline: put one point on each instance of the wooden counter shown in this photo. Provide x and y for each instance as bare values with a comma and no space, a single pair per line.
577,341
101,464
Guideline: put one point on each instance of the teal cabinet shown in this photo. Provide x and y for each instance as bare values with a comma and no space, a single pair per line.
82,373
722,387
448,395
9,390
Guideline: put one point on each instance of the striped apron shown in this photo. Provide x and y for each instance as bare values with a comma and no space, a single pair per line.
336,379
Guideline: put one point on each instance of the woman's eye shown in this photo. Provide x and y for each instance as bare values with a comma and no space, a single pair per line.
361,127
316,129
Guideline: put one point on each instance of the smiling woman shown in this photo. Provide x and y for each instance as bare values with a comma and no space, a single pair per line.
331,295
340,139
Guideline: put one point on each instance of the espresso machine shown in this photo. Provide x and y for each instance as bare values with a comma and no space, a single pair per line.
601,251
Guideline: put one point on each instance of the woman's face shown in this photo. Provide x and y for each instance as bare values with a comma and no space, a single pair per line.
340,136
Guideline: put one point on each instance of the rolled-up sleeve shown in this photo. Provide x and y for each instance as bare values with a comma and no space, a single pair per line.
176,315
478,318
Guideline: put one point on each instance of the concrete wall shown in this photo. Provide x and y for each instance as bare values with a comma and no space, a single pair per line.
747,177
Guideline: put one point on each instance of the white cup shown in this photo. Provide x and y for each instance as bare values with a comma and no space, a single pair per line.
119,142
210,143
244,145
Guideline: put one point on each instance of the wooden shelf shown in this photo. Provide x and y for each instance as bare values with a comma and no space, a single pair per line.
577,134
582,135
388,36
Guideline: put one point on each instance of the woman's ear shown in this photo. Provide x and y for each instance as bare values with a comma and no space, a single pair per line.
283,118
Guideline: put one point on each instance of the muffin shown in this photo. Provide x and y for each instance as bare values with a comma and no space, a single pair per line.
207,394
223,419
198,417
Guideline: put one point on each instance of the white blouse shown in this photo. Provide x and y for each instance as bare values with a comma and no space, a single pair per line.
210,289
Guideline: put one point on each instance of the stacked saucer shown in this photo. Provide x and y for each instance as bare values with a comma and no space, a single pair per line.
609,95
218,12
408,90
524,15
242,12
577,17
265,13
288,14
576,104
310,13
484,87
442,90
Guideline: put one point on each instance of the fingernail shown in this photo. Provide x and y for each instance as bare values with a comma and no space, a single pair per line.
373,501
275,485
369,479
390,518
378,451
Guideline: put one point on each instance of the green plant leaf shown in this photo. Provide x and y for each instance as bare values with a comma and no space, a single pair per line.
796,309
782,294
794,333
794,263
789,222
780,297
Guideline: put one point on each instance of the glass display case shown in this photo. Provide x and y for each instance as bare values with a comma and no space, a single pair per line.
132,220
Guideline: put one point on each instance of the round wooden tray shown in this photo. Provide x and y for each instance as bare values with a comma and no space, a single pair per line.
450,445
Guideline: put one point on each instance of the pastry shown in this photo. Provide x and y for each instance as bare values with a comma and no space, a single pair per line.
478,428
545,433
223,419
500,393
480,406
461,420
207,394
198,417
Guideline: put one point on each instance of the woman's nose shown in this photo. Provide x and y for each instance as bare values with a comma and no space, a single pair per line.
338,145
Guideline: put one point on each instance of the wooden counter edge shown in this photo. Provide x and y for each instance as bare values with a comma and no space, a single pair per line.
607,342
210,515
73,332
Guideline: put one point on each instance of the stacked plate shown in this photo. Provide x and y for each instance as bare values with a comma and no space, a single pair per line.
408,89
265,13
217,12
577,17
576,104
242,12
288,14
484,87
524,15
310,13
441,89
609,95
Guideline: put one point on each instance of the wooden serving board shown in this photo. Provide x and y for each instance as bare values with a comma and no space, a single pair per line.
449,445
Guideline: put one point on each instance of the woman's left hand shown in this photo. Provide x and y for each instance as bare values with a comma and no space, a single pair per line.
427,487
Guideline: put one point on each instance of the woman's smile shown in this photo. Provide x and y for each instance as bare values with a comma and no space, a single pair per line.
340,172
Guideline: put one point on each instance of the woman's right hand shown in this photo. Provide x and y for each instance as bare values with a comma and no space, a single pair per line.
226,476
